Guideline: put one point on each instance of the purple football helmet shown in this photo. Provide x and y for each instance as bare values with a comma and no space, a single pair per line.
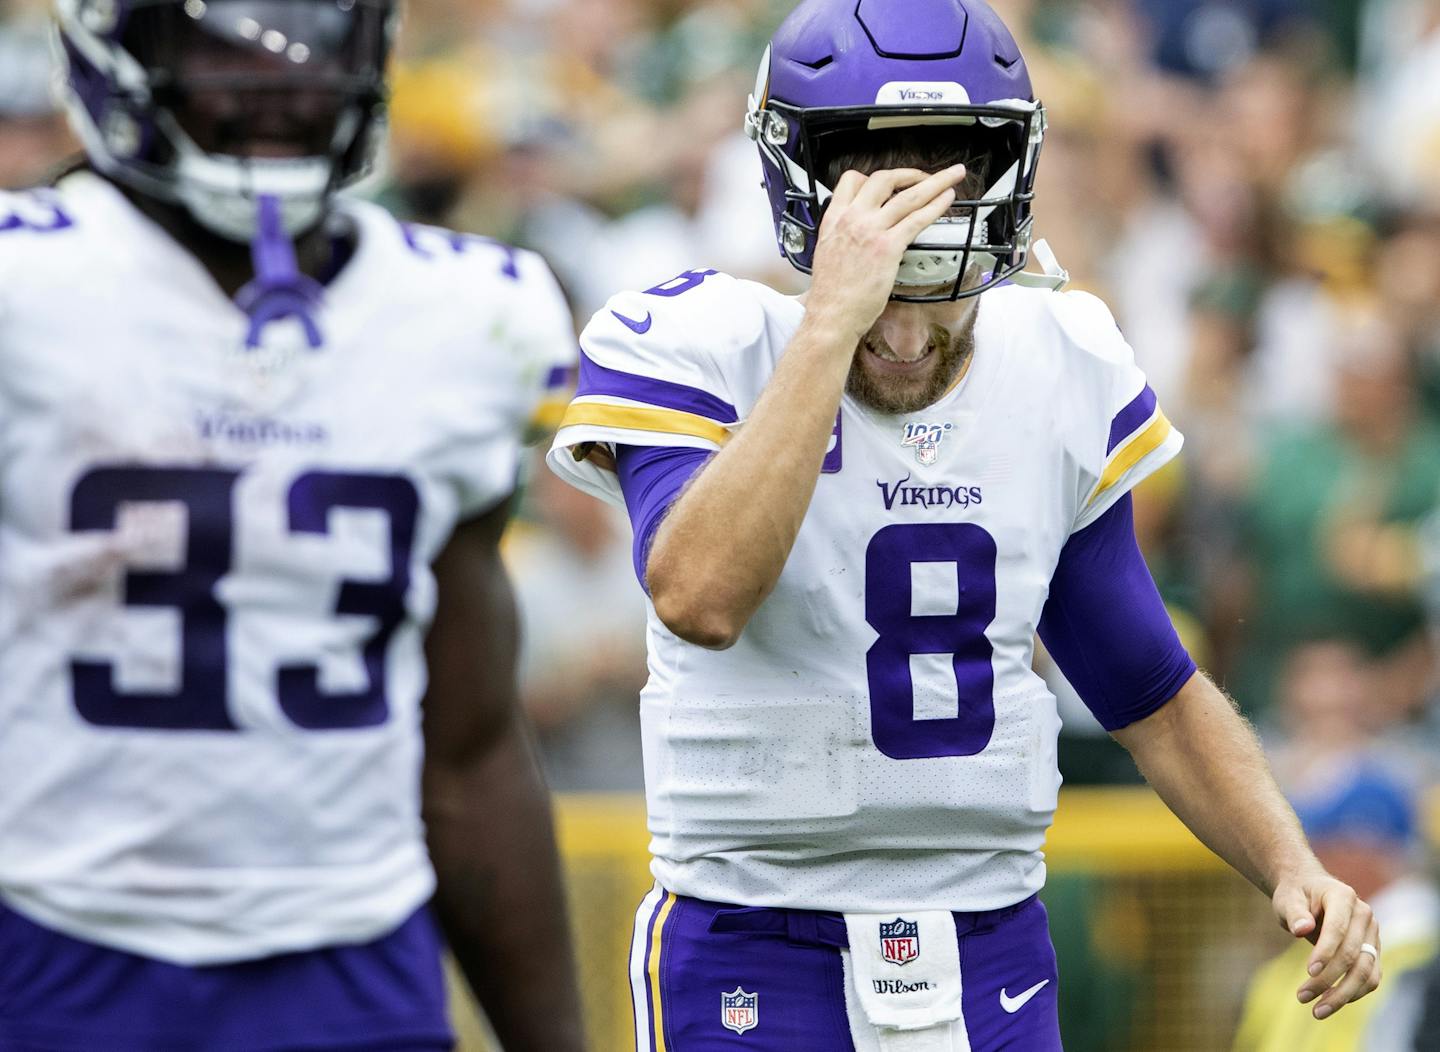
135,69
838,67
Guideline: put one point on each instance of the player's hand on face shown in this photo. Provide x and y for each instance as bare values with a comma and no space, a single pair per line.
869,223
1329,913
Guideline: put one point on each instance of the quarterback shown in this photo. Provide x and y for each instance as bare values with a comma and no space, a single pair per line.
853,512
258,446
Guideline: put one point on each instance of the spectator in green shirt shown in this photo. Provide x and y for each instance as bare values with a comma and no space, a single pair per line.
1329,526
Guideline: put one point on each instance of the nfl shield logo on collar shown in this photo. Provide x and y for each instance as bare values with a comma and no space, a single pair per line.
739,1011
900,941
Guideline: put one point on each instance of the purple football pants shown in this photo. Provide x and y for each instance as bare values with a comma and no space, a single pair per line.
709,977
59,994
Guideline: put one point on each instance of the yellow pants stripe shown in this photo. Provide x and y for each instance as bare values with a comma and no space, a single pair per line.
654,970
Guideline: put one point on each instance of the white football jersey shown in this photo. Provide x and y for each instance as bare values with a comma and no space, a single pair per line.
215,569
876,739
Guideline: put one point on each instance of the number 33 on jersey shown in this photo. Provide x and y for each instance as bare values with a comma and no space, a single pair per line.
215,566
881,703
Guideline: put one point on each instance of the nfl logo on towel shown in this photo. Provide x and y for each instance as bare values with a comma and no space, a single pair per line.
900,941
738,1010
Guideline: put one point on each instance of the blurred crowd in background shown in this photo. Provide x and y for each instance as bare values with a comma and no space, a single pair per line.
1254,187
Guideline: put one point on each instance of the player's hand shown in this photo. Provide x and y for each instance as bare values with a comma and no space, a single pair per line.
1326,911
869,223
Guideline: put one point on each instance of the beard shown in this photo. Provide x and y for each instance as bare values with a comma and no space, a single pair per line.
949,351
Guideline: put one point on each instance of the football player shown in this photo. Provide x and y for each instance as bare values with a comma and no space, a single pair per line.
259,445
853,511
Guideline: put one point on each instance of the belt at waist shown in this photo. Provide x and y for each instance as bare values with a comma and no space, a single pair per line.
816,928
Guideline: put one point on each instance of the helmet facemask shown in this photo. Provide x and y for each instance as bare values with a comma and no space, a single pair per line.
216,104
960,254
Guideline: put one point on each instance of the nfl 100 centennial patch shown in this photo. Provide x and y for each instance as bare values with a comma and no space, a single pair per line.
925,440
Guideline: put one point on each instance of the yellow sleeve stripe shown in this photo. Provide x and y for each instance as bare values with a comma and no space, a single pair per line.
1131,453
655,947
640,418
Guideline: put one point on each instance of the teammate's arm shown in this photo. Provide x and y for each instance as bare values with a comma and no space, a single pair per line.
722,546
499,896
1205,762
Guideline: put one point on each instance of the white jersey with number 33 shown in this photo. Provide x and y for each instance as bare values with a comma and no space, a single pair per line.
215,569
876,739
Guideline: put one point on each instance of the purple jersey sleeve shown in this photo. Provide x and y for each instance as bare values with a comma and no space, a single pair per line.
1106,626
651,477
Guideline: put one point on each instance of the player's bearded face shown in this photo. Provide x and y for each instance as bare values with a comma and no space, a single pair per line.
912,355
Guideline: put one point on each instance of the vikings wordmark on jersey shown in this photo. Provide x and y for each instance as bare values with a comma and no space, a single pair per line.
880,706
215,567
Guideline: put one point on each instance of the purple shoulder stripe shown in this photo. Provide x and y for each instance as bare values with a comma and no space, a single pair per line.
596,379
1129,419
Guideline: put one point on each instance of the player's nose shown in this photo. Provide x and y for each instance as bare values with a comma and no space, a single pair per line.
904,329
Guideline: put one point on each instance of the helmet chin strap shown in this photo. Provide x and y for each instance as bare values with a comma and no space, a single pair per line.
279,289
1052,275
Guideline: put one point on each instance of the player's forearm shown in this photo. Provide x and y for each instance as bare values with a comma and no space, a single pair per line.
724,544
1204,761
500,898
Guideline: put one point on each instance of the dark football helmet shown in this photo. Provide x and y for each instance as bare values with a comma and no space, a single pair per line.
836,68
218,104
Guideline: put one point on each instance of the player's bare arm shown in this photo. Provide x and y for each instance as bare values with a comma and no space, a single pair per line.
499,895
722,547
1204,761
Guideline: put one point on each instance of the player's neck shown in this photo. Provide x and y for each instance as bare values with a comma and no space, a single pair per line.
229,262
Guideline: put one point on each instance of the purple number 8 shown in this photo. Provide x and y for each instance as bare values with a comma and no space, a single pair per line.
888,609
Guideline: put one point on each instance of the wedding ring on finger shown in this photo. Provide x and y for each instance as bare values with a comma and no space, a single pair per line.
1365,947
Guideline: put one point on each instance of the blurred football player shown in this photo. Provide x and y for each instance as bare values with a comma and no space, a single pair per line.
853,511
259,446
